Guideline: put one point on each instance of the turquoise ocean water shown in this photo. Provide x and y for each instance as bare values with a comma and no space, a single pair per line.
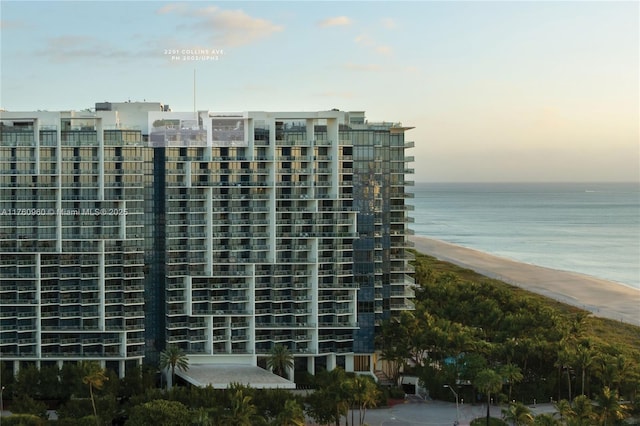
591,228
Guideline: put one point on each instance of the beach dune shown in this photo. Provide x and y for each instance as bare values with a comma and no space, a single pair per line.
603,298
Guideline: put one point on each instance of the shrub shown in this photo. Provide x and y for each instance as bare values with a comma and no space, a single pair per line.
24,404
23,420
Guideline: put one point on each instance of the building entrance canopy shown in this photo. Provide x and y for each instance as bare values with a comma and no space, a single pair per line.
222,376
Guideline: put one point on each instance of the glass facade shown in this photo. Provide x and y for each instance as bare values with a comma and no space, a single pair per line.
71,241
381,257
112,247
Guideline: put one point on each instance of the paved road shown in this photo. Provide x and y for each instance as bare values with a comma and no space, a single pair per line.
433,413
425,413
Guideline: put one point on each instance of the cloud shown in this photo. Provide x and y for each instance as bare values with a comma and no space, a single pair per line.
371,67
224,27
172,7
238,28
367,41
362,67
364,39
389,23
334,22
6,25
70,48
335,94
383,49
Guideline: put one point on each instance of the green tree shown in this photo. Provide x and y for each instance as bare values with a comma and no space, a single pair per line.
136,381
564,364
583,408
565,410
394,343
488,382
95,378
159,412
546,419
50,382
280,360
365,395
28,381
332,397
609,408
71,375
291,415
24,404
511,373
242,411
518,414
583,358
173,357
201,417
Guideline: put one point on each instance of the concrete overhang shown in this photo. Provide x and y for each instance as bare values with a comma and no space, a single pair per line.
221,376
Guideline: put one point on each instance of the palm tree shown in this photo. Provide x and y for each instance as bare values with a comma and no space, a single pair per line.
583,408
95,378
518,414
292,415
280,360
610,409
546,419
624,370
564,361
242,411
174,357
488,381
512,374
365,395
606,368
583,357
564,409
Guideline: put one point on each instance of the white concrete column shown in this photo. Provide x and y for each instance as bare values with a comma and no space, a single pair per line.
209,344
331,362
209,230
59,175
348,363
290,373
311,365
101,287
188,293
36,138
39,306
100,136
333,136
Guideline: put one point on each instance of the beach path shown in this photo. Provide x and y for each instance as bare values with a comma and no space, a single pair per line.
603,298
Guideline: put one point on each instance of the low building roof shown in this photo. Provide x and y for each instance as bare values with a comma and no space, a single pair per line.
221,376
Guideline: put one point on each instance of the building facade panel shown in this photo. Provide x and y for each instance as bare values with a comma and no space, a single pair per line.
71,245
132,228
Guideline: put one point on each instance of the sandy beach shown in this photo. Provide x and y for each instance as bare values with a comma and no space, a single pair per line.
603,298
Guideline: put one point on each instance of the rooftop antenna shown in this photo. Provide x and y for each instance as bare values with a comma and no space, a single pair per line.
194,94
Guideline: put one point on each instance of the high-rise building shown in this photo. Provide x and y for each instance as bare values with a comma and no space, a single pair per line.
239,231
71,239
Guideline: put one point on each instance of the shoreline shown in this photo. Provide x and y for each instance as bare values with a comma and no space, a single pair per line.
603,298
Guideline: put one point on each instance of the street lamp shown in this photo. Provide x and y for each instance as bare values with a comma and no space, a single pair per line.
1,402
457,411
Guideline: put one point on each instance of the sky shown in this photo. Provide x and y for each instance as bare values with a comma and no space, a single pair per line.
496,91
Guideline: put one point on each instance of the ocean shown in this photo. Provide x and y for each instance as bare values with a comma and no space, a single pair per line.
590,228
